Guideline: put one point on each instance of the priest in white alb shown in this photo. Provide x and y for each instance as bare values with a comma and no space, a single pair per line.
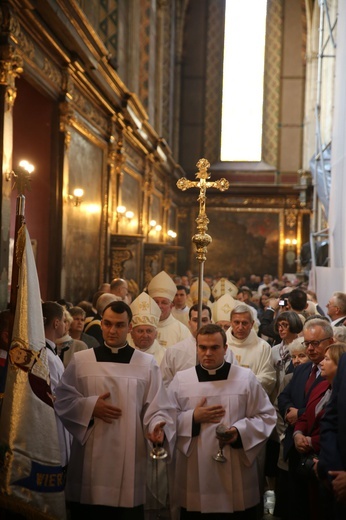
214,392
250,350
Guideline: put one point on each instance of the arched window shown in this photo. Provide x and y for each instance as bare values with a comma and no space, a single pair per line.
243,72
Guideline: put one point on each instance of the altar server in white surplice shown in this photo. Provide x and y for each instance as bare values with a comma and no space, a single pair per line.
112,399
211,393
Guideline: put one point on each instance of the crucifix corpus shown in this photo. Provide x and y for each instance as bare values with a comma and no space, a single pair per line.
201,239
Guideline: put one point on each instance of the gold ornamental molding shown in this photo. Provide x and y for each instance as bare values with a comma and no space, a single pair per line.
118,259
65,122
149,260
148,184
241,202
291,216
11,60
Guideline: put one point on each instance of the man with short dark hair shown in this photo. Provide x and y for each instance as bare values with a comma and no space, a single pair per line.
210,393
244,295
297,301
183,354
180,309
54,328
111,399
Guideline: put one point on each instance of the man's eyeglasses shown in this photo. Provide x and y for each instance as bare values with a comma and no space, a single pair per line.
315,343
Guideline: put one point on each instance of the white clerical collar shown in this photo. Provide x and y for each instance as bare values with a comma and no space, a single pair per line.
115,350
212,371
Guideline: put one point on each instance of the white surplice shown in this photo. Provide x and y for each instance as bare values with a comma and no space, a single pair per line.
255,353
56,370
155,350
203,484
183,355
170,331
109,460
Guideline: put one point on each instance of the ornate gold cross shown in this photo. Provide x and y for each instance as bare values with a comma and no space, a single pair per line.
202,239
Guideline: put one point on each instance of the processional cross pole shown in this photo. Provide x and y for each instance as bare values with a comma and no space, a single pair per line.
201,239
21,182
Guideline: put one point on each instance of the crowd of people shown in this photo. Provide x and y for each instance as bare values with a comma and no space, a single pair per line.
236,413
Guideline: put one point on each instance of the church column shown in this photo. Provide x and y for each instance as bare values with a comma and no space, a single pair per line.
116,161
66,114
10,68
147,194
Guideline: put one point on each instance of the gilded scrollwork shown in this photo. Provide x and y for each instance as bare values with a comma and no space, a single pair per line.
118,259
291,216
150,264
66,116
11,58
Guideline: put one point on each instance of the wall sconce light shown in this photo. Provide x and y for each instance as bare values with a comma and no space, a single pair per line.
25,168
154,226
291,241
123,213
171,233
77,198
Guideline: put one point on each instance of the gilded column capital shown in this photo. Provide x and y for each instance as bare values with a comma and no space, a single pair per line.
66,115
67,85
11,59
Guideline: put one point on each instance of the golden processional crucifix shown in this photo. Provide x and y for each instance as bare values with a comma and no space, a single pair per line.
201,239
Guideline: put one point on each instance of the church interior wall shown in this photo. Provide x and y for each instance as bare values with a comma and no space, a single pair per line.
292,87
272,183
33,120
136,101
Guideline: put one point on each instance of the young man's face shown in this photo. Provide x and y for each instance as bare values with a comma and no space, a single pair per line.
211,350
193,322
180,299
115,328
